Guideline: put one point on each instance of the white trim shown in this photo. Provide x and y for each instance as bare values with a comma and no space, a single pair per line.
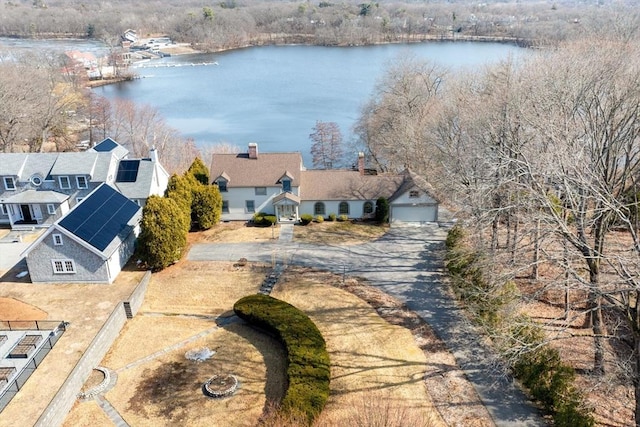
246,206
3,209
86,183
51,208
7,180
63,266
57,239
60,179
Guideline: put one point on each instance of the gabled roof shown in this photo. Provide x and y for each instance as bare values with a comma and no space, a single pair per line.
103,219
11,164
265,171
108,145
146,173
347,185
36,196
92,164
412,180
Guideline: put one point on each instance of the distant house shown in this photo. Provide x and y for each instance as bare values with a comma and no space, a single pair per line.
90,244
37,189
279,184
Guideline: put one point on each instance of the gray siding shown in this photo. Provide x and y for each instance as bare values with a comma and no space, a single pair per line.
89,266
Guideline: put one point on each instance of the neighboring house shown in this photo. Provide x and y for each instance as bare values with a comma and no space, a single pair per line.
279,184
37,189
90,244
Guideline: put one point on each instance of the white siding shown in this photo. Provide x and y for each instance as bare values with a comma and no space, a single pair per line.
237,198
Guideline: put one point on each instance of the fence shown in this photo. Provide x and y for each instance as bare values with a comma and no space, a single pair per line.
13,386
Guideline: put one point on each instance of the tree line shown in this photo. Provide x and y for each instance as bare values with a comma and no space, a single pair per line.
231,23
540,160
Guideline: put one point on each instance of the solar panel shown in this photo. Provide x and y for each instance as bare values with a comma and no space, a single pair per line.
99,218
128,171
106,145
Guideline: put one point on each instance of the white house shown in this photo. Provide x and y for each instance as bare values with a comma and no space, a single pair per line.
279,184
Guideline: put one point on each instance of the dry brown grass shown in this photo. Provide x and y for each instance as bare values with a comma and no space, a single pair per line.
235,232
336,232
85,307
158,386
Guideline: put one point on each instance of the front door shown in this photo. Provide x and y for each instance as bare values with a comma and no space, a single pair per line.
286,212
26,213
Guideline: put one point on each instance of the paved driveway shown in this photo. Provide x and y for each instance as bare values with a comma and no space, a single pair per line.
405,263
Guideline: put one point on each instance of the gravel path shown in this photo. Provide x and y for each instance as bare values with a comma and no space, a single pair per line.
407,264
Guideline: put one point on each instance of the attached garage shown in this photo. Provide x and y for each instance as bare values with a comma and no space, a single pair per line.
414,213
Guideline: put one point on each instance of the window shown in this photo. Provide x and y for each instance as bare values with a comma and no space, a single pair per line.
36,180
343,208
57,239
261,191
64,182
3,210
318,209
61,266
51,209
414,194
81,181
367,208
9,183
225,206
286,185
222,185
251,207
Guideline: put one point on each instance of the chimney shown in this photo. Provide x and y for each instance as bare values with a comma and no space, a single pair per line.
361,163
253,150
153,154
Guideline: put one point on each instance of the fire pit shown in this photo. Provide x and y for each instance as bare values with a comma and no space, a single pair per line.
220,386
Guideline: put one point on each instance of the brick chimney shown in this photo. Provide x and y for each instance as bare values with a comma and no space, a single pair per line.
361,163
253,150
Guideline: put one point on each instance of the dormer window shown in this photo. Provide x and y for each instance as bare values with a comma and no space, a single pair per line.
222,185
81,181
64,182
286,185
9,183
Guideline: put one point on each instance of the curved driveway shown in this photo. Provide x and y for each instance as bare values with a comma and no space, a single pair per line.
407,264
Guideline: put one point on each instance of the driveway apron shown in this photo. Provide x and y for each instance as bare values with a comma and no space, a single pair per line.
407,264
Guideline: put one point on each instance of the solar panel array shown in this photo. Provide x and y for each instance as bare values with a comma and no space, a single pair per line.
99,218
106,145
128,171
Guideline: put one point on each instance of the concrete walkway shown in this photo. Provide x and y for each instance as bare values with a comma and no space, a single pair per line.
407,264
286,233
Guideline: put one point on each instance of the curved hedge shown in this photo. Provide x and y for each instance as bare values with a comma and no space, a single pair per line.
307,358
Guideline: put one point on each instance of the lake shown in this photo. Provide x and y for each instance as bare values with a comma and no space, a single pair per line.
274,95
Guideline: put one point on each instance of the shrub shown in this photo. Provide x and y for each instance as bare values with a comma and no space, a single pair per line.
343,218
332,217
307,358
382,210
261,219
199,171
319,218
306,219
206,206
163,235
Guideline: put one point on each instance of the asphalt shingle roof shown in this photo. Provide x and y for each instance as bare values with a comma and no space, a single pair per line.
264,171
347,185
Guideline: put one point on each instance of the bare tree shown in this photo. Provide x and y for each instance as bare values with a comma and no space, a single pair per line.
327,145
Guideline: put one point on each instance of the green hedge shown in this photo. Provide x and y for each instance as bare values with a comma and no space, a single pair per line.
264,220
308,363
305,219
538,366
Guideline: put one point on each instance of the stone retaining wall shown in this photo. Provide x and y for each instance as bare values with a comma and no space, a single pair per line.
64,399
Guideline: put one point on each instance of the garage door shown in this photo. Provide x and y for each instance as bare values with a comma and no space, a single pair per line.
425,213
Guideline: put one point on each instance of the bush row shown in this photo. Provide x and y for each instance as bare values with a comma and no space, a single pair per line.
261,219
537,365
307,358
306,219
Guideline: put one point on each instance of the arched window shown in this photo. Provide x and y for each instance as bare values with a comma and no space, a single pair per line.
343,208
367,208
318,209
